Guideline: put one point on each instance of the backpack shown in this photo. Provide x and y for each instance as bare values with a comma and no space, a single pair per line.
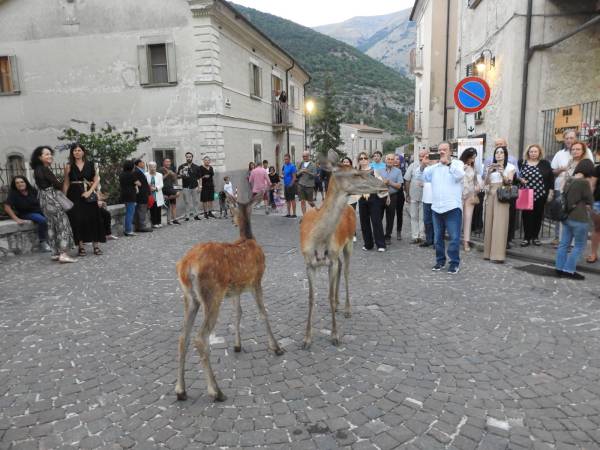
557,209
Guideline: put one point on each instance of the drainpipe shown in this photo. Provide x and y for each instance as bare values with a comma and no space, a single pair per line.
287,89
304,112
526,58
446,70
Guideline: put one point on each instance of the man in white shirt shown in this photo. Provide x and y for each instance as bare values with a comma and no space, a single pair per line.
446,185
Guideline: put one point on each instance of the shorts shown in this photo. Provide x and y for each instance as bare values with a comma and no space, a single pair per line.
306,192
290,192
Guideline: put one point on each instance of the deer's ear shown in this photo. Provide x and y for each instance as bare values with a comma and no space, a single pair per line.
333,157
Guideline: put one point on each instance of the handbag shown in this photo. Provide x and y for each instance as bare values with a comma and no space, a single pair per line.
525,200
507,193
93,198
63,201
151,201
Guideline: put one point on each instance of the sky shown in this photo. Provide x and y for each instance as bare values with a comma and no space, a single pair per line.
311,13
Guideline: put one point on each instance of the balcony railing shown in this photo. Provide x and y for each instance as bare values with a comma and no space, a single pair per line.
280,113
416,61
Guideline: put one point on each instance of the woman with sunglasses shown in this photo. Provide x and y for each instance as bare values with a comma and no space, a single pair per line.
370,209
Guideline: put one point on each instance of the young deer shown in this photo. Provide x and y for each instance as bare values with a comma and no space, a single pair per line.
327,231
209,272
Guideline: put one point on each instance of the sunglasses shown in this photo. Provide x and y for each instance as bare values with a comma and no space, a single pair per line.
363,158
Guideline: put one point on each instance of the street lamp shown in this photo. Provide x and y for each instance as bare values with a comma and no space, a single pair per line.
352,136
480,64
309,106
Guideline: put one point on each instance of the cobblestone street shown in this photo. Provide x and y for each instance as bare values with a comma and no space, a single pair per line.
491,358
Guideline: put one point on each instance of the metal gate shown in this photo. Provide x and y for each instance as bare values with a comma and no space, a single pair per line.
590,116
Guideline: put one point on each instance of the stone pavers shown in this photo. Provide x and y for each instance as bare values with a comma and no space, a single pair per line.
492,358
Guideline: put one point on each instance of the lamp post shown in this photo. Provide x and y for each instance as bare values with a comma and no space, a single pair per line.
352,136
309,106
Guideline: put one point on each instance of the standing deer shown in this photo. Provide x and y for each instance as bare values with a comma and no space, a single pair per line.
209,272
328,231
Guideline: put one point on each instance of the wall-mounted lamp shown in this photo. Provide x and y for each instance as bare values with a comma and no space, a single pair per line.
480,64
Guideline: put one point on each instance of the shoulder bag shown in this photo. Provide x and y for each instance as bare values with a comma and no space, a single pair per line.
63,201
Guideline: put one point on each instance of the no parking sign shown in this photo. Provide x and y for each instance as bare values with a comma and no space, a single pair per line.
472,94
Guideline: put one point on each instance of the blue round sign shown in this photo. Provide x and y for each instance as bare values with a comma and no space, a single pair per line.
471,94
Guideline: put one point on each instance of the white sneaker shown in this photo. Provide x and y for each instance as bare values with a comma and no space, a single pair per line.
354,239
155,226
381,249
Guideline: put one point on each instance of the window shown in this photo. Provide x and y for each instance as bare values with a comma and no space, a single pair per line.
376,144
257,154
9,78
470,69
276,85
364,144
370,145
294,97
15,165
255,81
160,154
157,64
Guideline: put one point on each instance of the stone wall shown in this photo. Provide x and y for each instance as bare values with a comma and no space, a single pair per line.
22,239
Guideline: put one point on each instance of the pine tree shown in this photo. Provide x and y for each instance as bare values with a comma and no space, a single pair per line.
325,132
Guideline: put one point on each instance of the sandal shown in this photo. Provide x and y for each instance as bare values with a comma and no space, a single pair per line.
591,259
525,243
97,251
81,251
537,242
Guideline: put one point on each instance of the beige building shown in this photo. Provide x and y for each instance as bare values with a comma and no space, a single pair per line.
358,137
541,81
434,72
194,75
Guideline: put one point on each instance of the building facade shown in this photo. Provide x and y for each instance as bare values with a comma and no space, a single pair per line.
358,137
542,81
194,75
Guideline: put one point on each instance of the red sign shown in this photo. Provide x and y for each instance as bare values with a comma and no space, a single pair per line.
472,94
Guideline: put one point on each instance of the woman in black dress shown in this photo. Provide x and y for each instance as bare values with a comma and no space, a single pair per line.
60,236
207,192
80,185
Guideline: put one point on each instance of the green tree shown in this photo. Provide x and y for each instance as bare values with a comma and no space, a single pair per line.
108,148
325,133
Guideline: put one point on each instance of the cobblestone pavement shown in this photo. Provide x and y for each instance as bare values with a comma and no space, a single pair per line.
492,358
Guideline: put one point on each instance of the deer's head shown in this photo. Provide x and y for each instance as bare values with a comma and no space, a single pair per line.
242,213
350,180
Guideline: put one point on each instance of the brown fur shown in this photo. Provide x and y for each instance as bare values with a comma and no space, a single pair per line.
209,272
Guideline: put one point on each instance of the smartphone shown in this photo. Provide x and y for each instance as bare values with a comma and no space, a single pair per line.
434,156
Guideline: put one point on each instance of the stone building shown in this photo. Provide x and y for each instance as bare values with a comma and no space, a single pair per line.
561,54
358,137
194,75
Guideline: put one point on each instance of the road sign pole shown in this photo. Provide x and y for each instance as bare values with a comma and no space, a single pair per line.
470,122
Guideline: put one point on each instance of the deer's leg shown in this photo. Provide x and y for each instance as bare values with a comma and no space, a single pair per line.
337,286
211,302
237,347
334,274
311,273
347,255
189,315
258,296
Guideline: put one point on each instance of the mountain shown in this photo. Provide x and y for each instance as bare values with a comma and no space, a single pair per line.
365,88
386,38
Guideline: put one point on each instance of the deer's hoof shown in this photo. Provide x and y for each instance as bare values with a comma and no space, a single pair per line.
181,396
306,345
219,397
279,351
347,314
237,348
335,341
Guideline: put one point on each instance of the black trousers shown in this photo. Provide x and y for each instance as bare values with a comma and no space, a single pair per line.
106,219
399,210
532,220
155,214
371,225
390,214
512,216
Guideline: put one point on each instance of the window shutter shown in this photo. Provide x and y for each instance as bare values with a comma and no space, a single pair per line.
469,70
14,74
142,51
171,62
251,72
260,80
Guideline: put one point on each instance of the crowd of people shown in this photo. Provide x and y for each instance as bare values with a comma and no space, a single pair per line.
448,198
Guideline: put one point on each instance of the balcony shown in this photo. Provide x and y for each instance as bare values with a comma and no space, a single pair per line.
280,114
416,61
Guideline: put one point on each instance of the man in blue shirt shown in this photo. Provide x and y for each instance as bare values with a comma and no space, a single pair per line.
289,185
377,163
392,178
446,178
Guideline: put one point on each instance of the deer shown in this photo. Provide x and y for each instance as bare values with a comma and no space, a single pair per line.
211,271
326,236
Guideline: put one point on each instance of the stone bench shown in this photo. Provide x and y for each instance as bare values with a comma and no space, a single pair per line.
22,239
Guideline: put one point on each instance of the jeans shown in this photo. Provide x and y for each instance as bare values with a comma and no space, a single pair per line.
42,224
129,213
450,221
565,261
557,194
428,221
190,202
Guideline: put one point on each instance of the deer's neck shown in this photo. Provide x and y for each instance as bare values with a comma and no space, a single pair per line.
245,227
330,212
